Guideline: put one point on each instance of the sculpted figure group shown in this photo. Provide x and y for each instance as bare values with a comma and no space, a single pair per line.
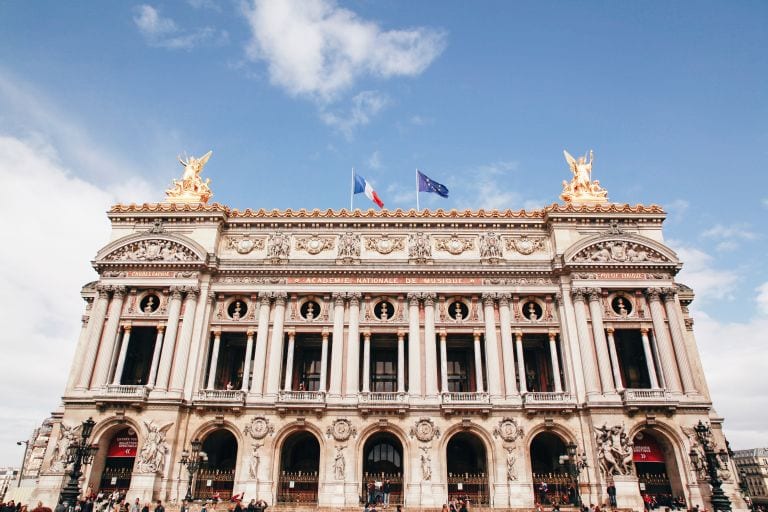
614,450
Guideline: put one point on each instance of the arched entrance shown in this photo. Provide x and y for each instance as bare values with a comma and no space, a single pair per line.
120,457
552,485
299,467
218,476
382,462
467,466
656,469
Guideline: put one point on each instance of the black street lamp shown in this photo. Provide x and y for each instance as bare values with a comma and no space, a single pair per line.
193,459
79,453
574,462
720,501
23,459
744,487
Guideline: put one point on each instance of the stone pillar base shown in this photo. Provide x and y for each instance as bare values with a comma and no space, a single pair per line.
144,486
628,492
48,489
331,495
520,495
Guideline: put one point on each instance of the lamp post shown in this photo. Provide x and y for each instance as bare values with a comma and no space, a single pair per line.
193,459
79,453
23,460
712,458
574,462
744,487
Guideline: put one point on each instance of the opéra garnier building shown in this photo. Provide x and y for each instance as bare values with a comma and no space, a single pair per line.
452,353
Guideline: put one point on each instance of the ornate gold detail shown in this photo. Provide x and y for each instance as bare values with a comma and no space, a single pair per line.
582,190
454,245
244,244
385,244
191,188
526,245
152,250
315,244
619,251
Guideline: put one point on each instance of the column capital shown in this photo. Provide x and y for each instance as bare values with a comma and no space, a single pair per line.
176,292
552,334
504,298
354,298
579,294
325,333
488,298
264,298
127,326
595,294
191,291
250,332
281,298
609,329
216,332
653,294
644,330
291,332
443,334
338,298
518,334
429,298
559,298
669,294
366,333
210,297
118,292
476,334
401,334
161,327
413,298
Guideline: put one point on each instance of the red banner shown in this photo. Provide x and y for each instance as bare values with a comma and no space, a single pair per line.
647,450
124,444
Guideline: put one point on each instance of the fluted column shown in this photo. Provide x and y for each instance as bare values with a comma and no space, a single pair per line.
520,361
214,359
443,361
507,350
185,340
156,355
262,333
76,368
337,351
353,346
366,361
491,346
276,344
587,348
555,362
107,351
324,361
95,328
614,359
169,343
479,384
400,361
569,344
289,360
601,345
678,341
430,345
414,346
247,362
123,353
649,358
666,352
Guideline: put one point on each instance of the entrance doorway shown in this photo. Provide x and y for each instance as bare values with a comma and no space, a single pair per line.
552,485
382,465
118,466
217,478
467,466
299,467
656,471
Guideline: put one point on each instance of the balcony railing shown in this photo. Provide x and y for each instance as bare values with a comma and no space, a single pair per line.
382,397
221,395
645,394
302,396
465,397
123,391
548,398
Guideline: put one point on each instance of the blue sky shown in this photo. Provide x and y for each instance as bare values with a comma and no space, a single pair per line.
98,98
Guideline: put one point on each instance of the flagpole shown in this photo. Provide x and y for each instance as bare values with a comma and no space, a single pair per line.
417,190
352,192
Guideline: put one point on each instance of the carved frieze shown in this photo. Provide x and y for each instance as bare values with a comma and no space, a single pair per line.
508,430
454,244
526,245
618,251
315,244
152,250
244,244
490,246
349,245
425,430
249,280
518,281
385,244
341,430
259,427
278,246
419,247
614,452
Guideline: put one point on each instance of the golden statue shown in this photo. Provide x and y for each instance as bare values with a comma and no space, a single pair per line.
191,188
581,189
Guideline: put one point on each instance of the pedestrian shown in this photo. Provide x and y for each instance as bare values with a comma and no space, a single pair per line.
612,495
159,507
387,488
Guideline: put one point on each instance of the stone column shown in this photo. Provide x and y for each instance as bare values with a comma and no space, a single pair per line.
324,361
95,327
649,358
156,355
214,359
601,346
555,362
76,368
569,344
353,346
123,354
520,361
414,346
288,384
400,361
430,346
107,351
479,386
247,362
591,380
614,359
366,361
185,340
678,340
276,344
262,333
169,344
491,346
666,353
507,350
443,361
337,352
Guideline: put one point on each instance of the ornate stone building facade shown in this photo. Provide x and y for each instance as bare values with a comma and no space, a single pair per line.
452,353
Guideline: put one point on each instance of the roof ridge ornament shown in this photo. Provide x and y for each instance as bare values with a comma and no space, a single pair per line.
191,188
582,190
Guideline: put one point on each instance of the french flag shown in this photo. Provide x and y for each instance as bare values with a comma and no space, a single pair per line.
362,186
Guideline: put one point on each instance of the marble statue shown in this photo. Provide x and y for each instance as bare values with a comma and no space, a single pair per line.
339,464
581,189
191,188
152,454
614,450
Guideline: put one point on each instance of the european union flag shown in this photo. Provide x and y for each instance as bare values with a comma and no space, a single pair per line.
427,184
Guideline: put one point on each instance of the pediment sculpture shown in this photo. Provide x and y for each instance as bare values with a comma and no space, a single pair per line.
153,250
618,251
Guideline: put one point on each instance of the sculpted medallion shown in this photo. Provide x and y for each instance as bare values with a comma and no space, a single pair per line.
454,245
384,244
259,427
314,244
244,244
425,430
508,430
525,245
341,430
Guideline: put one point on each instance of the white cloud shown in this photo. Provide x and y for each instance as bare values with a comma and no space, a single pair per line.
765,202
734,231
374,162
488,186
698,272
165,33
762,299
363,107
319,49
